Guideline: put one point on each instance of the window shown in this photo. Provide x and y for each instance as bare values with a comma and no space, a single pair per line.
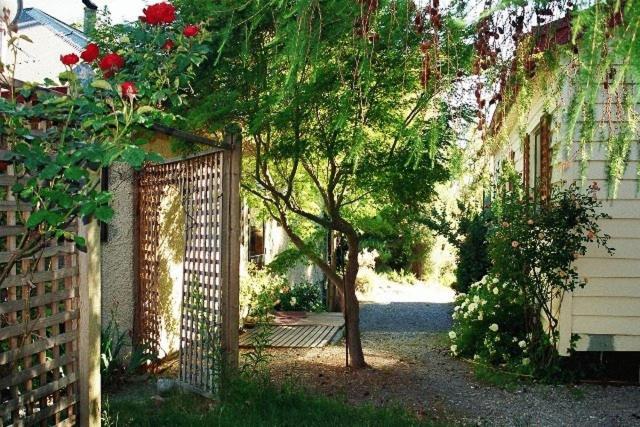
256,245
537,160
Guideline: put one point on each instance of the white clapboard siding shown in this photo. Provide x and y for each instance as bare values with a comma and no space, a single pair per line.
606,325
625,248
624,287
597,170
607,306
609,267
621,228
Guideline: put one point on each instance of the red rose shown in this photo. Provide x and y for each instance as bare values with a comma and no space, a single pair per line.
191,30
128,90
111,63
69,59
90,53
168,45
159,14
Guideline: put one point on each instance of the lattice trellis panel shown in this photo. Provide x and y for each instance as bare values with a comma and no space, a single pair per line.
200,182
38,325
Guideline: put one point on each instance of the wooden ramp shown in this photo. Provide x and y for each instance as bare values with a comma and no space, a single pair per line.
312,330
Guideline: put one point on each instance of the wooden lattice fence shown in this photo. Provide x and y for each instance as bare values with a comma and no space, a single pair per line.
39,325
208,187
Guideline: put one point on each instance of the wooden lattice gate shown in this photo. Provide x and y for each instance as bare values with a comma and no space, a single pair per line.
48,352
208,188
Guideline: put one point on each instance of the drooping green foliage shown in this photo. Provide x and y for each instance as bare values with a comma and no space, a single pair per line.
343,104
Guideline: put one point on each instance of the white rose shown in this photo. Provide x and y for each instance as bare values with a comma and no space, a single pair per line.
454,349
480,315
293,301
472,307
495,291
495,280
522,344
476,298
497,338
452,335
494,327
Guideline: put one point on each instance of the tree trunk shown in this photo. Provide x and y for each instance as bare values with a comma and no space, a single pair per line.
352,306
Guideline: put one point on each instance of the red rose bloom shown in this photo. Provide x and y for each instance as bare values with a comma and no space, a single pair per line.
111,63
168,45
191,30
159,14
69,59
128,90
90,53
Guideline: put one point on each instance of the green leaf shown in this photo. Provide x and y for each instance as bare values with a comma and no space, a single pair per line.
36,218
74,173
134,156
50,171
88,208
104,213
67,76
80,241
101,84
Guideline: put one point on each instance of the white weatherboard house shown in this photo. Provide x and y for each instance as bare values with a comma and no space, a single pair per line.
606,312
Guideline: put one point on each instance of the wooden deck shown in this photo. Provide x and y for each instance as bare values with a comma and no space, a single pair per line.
312,330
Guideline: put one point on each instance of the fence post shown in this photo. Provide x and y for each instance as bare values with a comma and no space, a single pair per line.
231,229
89,326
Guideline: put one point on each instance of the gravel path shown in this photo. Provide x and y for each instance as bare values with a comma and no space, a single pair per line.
405,317
404,342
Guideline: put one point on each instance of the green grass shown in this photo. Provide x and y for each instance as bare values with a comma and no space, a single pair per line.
248,404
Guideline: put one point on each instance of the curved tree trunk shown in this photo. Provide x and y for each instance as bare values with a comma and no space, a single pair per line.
352,306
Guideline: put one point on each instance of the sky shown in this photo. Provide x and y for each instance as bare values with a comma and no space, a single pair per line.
71,11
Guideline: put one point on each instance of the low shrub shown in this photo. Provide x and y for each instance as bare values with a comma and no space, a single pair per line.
473,257
303,296
467,232
263,291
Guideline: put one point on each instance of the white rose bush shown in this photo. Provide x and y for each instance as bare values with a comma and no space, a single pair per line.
488,325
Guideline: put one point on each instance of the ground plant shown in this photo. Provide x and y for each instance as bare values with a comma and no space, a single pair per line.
510,317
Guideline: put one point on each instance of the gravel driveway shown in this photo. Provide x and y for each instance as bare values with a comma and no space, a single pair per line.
405,317
404,340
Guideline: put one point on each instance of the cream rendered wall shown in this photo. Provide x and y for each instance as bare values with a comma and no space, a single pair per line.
275,242
606,313
118,293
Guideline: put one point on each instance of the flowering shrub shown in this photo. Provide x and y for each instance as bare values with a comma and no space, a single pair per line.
511,316
302,296
489,324
91,121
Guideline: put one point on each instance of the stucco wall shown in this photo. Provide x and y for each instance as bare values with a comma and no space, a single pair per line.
118,294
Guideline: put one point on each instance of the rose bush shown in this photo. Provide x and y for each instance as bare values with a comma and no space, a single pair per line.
91,122
510,317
